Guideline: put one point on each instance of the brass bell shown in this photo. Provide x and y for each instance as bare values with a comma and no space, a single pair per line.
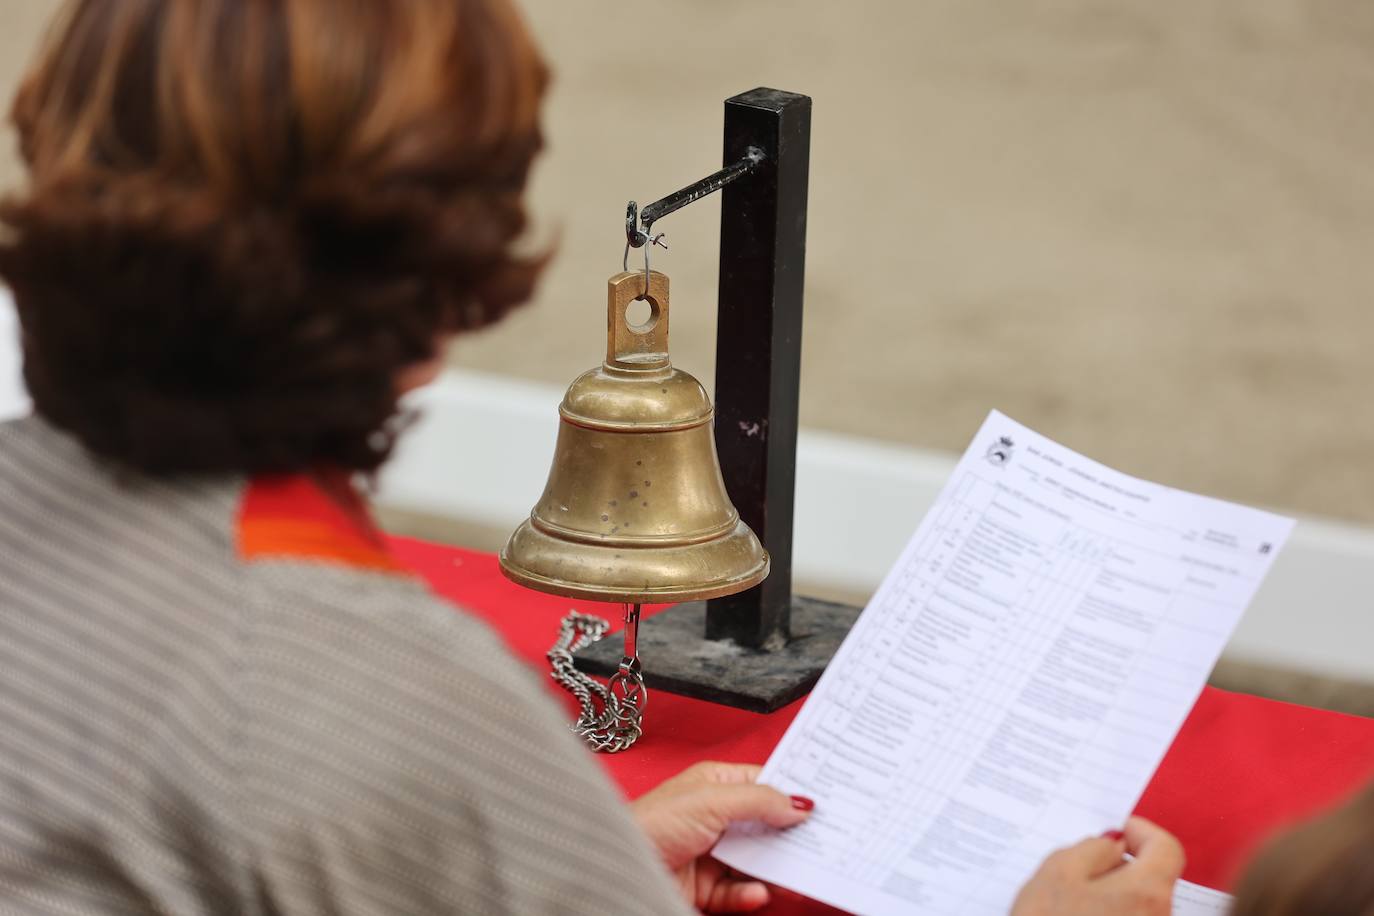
635,509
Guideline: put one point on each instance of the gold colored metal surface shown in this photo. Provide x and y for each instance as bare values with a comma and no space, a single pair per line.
635,509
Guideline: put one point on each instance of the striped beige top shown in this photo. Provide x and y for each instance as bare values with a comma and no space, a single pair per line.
188,728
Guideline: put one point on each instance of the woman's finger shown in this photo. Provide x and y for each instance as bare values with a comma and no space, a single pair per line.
1087,859
735,772
1154,848
699,774
749,802
717,772
736,897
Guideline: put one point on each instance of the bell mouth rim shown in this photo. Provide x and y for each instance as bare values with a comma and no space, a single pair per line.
652,540
670,594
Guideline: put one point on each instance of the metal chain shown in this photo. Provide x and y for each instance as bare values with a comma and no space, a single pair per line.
619,723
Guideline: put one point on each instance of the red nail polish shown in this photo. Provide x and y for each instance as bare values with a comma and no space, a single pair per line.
1113,835
802,803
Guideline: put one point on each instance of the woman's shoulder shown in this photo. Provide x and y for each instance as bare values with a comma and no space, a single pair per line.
323,588
381,722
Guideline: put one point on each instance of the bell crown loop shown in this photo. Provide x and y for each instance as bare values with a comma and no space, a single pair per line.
636,347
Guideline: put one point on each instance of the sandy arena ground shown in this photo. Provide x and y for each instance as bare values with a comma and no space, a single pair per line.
1145,229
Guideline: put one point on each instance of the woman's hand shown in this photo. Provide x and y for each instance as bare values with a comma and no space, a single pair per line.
684,817
1093,877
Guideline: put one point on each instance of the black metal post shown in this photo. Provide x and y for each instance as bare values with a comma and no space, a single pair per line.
758,348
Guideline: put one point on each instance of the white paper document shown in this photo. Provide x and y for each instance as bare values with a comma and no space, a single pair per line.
1012,685
1195,900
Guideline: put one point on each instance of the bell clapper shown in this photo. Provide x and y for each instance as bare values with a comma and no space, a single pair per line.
619,721
631,658
627,684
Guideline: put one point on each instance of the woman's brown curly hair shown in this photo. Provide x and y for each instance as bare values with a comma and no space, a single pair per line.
246,218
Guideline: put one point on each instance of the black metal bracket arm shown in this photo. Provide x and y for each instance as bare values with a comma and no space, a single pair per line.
639,224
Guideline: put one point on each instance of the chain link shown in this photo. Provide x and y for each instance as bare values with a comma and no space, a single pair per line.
619,723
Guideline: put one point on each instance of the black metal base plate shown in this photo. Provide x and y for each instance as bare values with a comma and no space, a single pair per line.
678,659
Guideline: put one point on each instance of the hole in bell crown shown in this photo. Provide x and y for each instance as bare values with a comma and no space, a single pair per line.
634,428
641,315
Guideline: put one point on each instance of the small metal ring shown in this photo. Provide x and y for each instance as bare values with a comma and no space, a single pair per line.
637,236
645,294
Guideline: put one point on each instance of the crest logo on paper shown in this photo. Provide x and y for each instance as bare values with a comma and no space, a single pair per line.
1000,452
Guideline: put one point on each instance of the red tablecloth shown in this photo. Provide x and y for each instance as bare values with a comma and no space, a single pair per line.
1241,768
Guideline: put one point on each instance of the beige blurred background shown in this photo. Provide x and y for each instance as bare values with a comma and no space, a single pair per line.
1146,229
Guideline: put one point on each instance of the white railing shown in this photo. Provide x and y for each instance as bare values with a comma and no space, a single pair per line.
13,400
481,453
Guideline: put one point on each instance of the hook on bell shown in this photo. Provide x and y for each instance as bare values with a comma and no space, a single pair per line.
636,237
